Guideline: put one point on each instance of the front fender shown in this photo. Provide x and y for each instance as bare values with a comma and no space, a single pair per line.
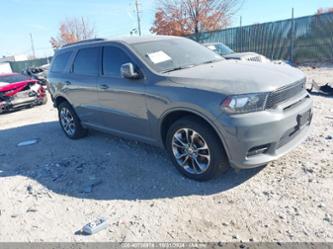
197,111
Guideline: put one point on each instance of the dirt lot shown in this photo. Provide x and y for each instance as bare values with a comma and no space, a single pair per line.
51,189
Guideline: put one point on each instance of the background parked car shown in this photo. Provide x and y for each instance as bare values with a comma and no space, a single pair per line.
18,90
38,73
229,54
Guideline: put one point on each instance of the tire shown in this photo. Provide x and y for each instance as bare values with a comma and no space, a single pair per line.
67,115
44,101
201,134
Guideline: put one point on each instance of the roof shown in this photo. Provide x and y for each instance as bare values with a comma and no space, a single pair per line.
140,39
125,39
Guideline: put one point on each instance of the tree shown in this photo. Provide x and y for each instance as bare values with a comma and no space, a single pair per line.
184,17
73,30
324,10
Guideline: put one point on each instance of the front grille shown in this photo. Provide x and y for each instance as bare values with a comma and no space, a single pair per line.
284,94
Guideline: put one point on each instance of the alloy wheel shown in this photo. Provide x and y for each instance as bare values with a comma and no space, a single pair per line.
67,121
191,151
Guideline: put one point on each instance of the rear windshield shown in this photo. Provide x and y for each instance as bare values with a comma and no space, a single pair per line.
14,78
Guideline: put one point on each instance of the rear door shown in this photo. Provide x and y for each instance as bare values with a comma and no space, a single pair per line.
82,83
122,101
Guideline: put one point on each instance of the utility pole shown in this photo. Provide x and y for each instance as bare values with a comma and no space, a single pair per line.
138,16
84,29
32,46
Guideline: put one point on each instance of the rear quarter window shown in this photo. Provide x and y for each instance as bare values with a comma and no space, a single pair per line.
60,62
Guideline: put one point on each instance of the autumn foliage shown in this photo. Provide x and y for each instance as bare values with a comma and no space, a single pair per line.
73,30
324,10
184,17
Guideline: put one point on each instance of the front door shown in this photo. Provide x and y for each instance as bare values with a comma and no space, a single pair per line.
122,101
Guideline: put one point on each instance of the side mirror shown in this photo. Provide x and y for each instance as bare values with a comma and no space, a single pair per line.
127,71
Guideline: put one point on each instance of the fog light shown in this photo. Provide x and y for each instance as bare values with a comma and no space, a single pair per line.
261,149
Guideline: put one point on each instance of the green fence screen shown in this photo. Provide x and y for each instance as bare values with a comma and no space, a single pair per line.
299,40
19,66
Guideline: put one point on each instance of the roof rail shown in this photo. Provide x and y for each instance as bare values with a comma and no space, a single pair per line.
84,41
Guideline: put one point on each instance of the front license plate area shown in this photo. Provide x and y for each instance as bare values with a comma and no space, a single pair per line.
303,119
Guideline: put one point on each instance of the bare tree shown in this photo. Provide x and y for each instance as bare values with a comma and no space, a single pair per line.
73,30
182,17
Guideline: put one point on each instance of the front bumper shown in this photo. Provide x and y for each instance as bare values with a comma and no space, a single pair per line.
254,139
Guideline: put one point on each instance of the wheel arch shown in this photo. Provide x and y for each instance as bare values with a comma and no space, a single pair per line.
59,99
173,115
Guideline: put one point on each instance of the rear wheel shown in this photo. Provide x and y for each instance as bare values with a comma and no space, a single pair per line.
70,122
195,149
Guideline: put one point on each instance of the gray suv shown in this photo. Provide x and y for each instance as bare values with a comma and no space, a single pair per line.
206,111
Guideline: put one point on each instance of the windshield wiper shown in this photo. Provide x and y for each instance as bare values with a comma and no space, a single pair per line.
211,61
188,66
177,68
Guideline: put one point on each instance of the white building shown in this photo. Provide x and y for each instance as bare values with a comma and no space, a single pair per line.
5,67
14,58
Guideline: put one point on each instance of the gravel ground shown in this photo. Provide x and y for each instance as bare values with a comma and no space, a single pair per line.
51,189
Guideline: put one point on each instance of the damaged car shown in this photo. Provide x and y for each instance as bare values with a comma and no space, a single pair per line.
19,91
38,73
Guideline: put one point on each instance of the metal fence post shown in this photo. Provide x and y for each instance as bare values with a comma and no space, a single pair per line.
292,37
240,34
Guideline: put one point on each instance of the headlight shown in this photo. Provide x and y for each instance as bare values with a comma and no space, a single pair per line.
244,103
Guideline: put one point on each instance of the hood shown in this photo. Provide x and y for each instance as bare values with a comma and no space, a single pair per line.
237,77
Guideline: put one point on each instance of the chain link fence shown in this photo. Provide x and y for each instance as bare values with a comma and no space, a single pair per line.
304,39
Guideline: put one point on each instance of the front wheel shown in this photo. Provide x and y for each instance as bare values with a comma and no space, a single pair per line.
195,149
70,122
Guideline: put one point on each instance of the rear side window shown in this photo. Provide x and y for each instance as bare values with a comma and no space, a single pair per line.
113,58
60,62
86,61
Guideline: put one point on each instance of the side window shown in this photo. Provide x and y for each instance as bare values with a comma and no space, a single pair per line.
86,61
60,62
113,58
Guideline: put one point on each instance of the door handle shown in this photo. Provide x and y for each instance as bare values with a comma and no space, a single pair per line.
103,86
67,82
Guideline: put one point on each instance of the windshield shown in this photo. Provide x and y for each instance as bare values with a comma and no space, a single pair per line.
220,48
14,78
174,54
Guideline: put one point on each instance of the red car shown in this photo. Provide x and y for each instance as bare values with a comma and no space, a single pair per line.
18,90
